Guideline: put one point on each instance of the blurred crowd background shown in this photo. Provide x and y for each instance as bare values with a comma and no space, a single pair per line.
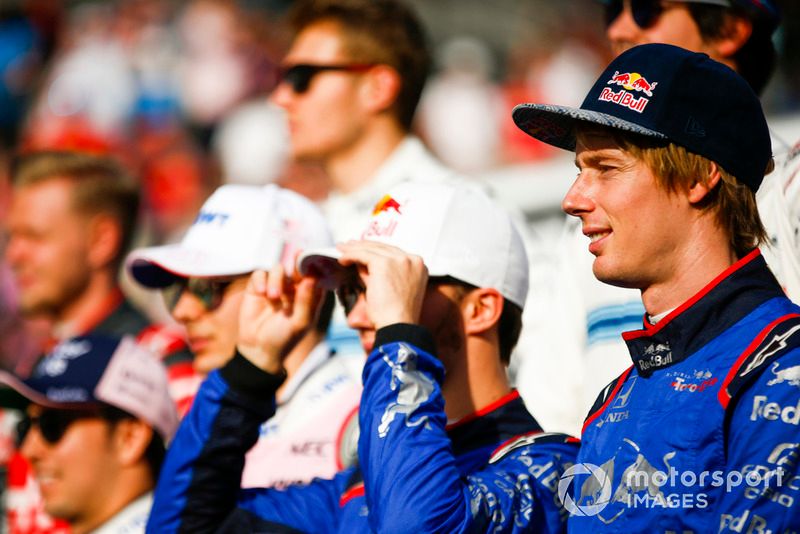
178,91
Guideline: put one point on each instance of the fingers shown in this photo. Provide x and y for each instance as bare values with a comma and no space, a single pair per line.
306,300
257,283
366,252
276,283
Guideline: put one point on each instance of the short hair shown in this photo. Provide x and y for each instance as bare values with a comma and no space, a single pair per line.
377,31
101,186
509,326
757,58
675,168
156,450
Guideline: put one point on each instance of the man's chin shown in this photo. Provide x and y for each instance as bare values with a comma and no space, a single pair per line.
205,362
610,276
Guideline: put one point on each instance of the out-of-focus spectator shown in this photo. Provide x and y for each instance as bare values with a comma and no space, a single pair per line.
97,417
461,111
71,221
352,80
238,230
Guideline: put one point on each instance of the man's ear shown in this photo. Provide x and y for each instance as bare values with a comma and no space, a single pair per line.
701,188
382,86
736,31
105,240
131,439
481,310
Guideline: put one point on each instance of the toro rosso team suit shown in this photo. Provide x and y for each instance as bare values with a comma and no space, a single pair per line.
702,433
492,471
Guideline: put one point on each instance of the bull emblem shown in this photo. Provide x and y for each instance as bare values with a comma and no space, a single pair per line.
790,375
413,389
637,478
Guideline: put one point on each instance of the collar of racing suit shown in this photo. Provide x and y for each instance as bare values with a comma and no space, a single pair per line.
475,437
502,420
732,295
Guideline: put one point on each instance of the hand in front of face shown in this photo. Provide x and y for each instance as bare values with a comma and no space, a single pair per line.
276,312
395,281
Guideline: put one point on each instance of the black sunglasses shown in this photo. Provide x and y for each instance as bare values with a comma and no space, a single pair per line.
52,424
350,290
645,12
210,291
299,76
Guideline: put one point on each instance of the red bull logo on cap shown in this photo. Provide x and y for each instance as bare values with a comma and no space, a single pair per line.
385,204
632,81
380,226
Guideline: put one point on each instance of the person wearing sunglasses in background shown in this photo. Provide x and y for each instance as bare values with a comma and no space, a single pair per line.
97,417
71,221
436,295
352,80
240,229
737,33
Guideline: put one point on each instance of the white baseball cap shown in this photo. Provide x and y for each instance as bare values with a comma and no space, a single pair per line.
239,229
456,229
88,370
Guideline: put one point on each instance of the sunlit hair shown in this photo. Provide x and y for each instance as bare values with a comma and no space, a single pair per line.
675,169
383,32
101,186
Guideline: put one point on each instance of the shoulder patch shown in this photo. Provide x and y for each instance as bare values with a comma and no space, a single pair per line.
533,438
605,397
777,338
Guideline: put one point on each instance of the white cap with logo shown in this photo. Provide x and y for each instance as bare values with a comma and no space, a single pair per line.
239,229
456,229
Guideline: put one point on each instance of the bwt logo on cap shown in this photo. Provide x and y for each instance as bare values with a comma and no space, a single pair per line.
631,81
210,217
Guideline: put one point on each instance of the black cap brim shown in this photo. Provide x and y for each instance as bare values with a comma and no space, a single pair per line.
555,125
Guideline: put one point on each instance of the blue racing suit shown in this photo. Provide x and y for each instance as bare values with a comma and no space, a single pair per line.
701,434
493,471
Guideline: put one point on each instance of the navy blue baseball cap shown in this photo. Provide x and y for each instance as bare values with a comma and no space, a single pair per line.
762,12
665,92
92,370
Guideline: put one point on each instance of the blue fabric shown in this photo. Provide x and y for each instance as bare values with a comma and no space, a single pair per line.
409,478
677,413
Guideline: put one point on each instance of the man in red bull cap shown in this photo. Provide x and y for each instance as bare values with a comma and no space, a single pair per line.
592,315
436,295
700,433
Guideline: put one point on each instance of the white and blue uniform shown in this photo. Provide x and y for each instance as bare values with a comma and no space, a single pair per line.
416,473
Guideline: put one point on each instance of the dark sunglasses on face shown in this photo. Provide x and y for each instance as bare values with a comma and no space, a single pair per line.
52,424
210,291
348,293
645,12
354,287
299,76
